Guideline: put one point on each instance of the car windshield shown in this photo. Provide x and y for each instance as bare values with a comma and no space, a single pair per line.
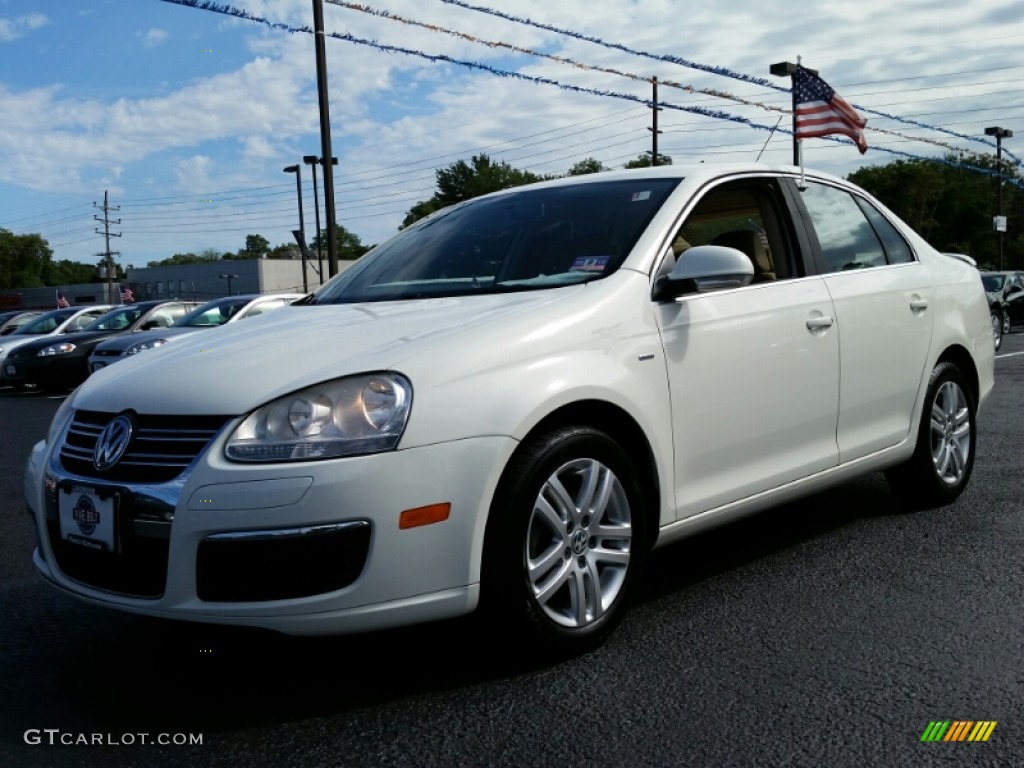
45,323
993,282
528,239
116,319
213,313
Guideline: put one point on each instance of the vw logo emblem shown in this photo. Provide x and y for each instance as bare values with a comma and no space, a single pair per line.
578,541
112,442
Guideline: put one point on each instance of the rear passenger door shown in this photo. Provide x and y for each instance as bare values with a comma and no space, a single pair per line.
882,297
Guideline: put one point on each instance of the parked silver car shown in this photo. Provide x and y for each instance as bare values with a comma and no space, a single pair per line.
210,315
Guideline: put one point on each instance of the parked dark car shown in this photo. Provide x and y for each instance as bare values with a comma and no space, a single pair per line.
47,326
57,365
1006,292
12,321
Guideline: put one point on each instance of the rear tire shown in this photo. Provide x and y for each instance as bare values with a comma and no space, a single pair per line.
565,542
941,466
998,329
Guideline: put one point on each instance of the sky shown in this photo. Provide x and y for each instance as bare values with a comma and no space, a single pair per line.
185,118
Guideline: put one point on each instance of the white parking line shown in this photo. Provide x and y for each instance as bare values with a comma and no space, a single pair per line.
1009,354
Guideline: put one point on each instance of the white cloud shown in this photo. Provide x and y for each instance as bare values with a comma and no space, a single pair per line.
193,173
12,29
154,37
397,118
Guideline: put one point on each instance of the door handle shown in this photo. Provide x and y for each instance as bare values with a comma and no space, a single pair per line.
817,323
918,305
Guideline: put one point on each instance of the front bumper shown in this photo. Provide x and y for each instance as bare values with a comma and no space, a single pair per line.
60,370
303,548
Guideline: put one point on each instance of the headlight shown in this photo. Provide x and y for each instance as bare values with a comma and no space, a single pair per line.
56,349
142,346
60,419
354,415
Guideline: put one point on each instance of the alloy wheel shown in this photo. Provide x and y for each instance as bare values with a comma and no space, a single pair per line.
950,432
578,543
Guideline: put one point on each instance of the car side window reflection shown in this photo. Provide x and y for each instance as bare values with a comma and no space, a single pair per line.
851,233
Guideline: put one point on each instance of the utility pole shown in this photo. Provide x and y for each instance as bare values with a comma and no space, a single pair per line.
655,109
325,133
999,222
108,257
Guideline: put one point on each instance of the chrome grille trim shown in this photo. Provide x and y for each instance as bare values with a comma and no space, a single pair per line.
162,447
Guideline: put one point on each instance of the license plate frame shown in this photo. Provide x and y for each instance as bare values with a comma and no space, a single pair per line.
88,518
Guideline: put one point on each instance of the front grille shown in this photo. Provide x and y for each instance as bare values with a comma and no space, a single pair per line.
160,450
106,352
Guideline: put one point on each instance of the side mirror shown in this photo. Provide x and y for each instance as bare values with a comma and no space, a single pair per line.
705,268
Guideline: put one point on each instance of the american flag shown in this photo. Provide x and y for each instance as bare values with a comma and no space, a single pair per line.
62,301
820,111
127,296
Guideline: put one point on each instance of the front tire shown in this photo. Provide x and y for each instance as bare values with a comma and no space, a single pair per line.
565,541
941,466
998,329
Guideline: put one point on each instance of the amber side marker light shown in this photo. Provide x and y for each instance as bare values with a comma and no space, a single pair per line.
432,513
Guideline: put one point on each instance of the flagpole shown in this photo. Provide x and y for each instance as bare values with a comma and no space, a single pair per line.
788,69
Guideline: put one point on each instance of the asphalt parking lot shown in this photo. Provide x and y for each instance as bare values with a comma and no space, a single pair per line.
829,632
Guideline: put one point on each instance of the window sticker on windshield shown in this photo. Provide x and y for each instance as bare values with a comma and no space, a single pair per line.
589,264
645,195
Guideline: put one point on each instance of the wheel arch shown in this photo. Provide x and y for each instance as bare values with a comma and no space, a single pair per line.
963,360
621,427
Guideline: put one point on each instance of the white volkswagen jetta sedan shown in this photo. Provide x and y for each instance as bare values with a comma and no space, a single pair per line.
509,403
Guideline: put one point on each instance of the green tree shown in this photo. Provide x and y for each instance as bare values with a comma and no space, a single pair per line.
349,245
187,258
644,161
66,272
590,165
464,181
23,260
256,247
951,205
283,251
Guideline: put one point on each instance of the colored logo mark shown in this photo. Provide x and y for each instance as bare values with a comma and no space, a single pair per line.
958,730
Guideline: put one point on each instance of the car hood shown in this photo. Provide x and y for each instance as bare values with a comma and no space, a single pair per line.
244,365
122,341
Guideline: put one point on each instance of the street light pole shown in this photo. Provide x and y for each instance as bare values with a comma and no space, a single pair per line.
229,279
1000,222
314,161
788,69
297,170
